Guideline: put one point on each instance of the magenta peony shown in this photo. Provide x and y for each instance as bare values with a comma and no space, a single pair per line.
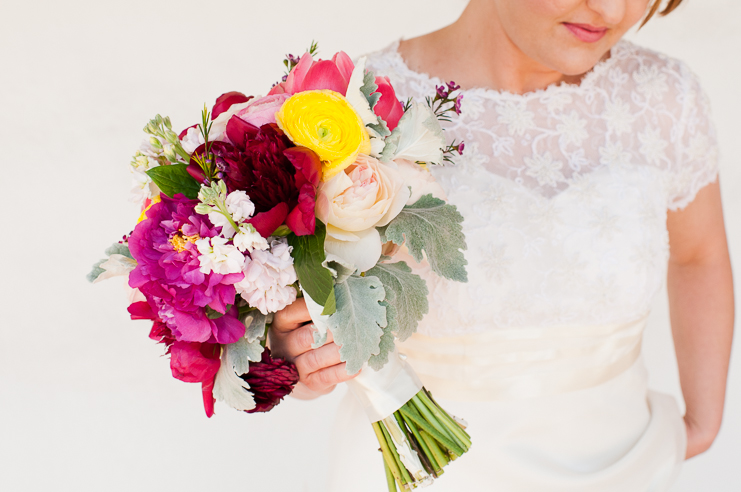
270,380
168,273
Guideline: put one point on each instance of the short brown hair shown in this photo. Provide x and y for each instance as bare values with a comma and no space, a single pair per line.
656,7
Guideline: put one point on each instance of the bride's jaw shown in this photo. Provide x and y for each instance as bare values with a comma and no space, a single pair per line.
566,37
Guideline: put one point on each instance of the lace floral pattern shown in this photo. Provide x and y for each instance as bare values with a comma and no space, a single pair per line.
565,191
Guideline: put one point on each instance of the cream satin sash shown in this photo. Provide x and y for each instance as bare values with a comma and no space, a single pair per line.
523,362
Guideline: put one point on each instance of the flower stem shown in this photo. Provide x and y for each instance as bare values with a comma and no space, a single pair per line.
443,439
406,478
437,453
426,452
453,428
390,481
414,444
388,458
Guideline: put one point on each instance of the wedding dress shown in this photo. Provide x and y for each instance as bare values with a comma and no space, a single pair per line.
564,192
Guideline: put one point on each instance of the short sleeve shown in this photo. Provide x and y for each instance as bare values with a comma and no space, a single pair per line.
696,154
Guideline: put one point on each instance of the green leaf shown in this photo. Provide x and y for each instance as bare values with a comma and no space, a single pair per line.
175,179
331,306
308,256
386,346
432,226
406,294
214,314
357,324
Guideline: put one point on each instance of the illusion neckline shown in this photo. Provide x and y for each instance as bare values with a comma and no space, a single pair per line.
586,82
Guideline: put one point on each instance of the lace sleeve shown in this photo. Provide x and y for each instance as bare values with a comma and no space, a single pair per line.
696,157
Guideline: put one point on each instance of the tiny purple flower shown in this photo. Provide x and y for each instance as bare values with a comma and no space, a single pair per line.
452,86
457,106
461,146
442,93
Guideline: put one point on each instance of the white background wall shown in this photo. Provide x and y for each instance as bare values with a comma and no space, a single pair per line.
86,401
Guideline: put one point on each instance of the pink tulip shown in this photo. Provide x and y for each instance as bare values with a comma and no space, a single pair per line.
388,106
309,74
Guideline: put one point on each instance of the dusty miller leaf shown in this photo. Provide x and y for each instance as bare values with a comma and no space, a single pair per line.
358,324
228,386
386,346
255,322
369,88
339,268
240,353
114,249
406,293
432,226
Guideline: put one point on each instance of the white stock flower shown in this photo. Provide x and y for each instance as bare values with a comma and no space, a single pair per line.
238,204
220,220
192,140
218,257
268,278
248,239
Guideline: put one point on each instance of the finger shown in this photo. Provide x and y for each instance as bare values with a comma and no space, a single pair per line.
317,359
330,338
298,341
325,378
292,316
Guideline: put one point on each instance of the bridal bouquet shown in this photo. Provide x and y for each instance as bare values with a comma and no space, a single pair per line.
304,192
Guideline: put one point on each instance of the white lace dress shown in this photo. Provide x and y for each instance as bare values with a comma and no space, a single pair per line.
564,193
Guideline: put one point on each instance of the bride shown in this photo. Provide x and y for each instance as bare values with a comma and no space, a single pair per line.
589,175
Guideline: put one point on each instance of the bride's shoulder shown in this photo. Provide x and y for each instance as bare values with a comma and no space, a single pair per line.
652,74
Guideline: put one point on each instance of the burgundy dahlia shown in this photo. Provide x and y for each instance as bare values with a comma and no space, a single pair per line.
270,380
279,178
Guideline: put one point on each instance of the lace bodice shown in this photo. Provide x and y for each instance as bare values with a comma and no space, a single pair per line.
564,191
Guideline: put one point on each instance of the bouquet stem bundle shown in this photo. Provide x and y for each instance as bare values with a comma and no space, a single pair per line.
420,429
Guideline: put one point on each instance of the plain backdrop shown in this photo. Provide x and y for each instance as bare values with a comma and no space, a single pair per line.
86,400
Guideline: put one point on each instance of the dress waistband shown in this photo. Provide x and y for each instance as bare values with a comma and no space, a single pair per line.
523,362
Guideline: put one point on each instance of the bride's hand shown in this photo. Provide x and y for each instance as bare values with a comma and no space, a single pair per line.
698,440
291,336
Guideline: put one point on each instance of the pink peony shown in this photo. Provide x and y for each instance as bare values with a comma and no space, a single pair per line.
312,74
262,111
168,273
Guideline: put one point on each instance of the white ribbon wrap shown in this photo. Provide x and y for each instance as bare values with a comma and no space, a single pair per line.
380,392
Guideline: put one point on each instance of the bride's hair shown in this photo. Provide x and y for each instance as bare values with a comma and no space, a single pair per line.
656,6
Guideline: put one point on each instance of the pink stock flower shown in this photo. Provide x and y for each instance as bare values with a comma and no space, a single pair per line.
312,74
388,106
262,111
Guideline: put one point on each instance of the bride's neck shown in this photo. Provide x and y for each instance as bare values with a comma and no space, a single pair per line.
475,51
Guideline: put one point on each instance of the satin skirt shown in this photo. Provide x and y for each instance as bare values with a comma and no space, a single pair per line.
616,436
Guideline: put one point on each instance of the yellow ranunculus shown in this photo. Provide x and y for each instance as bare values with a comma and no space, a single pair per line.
324,122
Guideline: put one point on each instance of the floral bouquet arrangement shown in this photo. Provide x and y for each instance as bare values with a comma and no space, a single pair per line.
307,191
